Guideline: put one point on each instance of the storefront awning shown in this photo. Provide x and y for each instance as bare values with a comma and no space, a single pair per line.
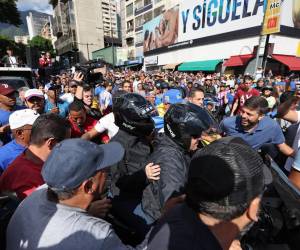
171,66
292,62
209,65
240,60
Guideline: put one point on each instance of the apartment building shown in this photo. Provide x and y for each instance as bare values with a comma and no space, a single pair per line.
36,22
135,14
83,26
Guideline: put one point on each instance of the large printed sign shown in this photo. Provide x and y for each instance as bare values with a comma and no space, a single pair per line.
203,18
290,13
161,31
194,19
271,23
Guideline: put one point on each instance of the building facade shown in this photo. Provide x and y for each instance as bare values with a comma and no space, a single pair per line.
196,35
36,22
135,14
83,26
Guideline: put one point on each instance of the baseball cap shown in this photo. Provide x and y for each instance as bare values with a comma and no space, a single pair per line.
33,92
227,172
6,89
22,117
73,161
172,96
73,83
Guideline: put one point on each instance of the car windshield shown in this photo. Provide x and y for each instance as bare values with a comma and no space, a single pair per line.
15,83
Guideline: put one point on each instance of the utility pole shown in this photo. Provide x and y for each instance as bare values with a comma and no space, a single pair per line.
87,48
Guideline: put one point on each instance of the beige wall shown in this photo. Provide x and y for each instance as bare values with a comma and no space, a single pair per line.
88,19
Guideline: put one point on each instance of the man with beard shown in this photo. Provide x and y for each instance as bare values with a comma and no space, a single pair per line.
218,207
255,128
244,92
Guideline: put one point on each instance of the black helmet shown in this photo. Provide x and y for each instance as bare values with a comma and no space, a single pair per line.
133,114
184,121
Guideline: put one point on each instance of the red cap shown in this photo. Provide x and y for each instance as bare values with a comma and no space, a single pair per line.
6,89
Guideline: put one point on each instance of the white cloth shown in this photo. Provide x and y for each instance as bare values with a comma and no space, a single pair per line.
296,144
67,97
107,123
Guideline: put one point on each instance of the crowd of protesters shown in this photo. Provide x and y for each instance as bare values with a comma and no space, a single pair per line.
160,160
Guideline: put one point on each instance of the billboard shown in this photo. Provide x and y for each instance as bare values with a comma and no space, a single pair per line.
198,20
161,31
291,14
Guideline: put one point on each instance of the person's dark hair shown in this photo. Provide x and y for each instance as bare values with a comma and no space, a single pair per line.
49,126
257,103
194,90
248,77
87,88
286,96
56,196
123,83
76,106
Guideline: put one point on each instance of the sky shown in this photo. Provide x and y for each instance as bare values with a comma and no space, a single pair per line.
38,5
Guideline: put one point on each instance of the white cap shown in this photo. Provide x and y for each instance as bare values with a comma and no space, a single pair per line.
33,92
22,117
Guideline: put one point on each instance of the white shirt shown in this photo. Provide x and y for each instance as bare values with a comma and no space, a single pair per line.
67,97
296,144
107,123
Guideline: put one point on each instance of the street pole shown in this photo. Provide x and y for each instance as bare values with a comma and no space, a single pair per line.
113,49
265,57
88,52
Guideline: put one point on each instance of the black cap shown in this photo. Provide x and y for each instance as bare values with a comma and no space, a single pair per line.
75,160
227,172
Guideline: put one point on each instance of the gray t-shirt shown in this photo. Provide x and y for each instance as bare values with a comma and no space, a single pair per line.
41,224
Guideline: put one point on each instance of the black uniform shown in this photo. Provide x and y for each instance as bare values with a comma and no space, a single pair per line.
174,161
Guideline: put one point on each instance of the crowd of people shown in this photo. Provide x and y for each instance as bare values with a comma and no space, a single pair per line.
167,160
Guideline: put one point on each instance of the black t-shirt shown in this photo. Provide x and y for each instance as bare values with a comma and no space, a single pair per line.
181,229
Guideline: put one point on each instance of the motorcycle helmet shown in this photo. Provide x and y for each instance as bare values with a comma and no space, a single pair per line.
133,114
184,121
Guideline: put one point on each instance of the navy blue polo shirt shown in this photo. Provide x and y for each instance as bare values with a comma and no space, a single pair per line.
267,131
8,153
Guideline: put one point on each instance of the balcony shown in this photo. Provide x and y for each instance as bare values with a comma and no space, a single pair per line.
143,9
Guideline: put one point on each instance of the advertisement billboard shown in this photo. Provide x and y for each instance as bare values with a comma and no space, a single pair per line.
291,14
161,31
195,22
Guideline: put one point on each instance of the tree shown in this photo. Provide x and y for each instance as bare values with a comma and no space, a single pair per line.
42,44
9,12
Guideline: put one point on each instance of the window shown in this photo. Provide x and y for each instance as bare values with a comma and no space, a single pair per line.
129,10
130,26
158,11
139,4
147,2
148,17
139,37
139,21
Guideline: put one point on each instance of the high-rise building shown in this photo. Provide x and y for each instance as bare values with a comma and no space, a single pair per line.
35,23
83,26
135,13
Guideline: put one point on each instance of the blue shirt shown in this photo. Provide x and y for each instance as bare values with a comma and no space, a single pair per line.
4,120
63,108
8,153
98,90
267,131
230,98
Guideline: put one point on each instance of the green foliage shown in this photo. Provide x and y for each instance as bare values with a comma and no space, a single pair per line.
9,12
42,44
